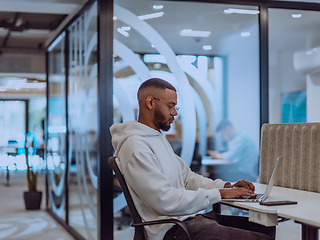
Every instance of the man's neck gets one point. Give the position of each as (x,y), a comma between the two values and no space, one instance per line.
(148,123)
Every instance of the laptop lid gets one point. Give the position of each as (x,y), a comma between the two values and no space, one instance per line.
(272,179)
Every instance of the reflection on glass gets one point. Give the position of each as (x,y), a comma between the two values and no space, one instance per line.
(56,145)
(293,68)
(37,108)
(241,154)
(213,63)
(83,124)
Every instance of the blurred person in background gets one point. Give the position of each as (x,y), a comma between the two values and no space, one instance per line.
(242,154)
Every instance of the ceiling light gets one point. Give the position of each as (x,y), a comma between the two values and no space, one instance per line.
(241,11)
(192,33)
(150,16)
(14,83)
(153,46)
(115,18)
(207,47)
(296,15)
(157,7)
(38,31)
(157,65)
(38,86)
(123,32)
(126,28)
(245,34)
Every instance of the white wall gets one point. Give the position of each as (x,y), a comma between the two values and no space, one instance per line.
(282,79)
(243,81)
(274,87)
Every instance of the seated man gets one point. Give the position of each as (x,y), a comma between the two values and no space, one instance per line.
(163,186)
(242,154)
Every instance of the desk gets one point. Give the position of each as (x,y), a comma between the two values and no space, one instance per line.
(208,161)
(306,212)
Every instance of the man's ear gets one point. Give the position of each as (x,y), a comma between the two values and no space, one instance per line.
(149,102)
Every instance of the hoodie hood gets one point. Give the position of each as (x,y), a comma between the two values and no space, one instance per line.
(122,131)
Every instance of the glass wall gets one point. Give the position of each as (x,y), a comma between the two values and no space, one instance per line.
(213,61)
(37,109)
(293,76)
(57,127)
(72,125)
(83,124)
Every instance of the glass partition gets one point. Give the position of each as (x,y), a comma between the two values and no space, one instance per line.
(37,109)
(57,128)
(212,58)
(293,69)
(83,124)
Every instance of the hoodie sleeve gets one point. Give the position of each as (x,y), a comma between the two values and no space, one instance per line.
(154,189)
(193,181)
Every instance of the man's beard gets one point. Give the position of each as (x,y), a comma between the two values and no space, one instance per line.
(160,120)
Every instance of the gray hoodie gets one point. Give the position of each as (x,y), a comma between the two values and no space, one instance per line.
(160,182)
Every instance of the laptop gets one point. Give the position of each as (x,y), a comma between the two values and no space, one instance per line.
(260,197)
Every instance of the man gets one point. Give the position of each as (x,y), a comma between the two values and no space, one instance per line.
(242,154)
(161,184)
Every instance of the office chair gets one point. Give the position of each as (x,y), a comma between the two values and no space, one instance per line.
(140,233)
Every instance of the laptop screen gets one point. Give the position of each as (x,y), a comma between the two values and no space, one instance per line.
(273,178)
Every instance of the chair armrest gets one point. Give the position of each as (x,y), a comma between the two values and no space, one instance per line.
(162,221)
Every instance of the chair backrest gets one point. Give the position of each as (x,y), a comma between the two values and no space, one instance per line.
(139,231)
(299,143)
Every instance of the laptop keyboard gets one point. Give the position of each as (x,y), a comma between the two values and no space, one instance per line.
(250,197)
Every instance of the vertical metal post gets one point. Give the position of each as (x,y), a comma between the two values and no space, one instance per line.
(66,67)
(264,65)
(105,118)
(45,130)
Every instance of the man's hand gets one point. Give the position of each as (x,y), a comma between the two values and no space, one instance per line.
(244,184)
(214,154)
(236,192)
(239,188)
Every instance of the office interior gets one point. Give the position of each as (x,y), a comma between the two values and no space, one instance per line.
(66,79)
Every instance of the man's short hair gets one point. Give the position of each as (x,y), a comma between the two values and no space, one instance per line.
(223,125)
(156,83)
